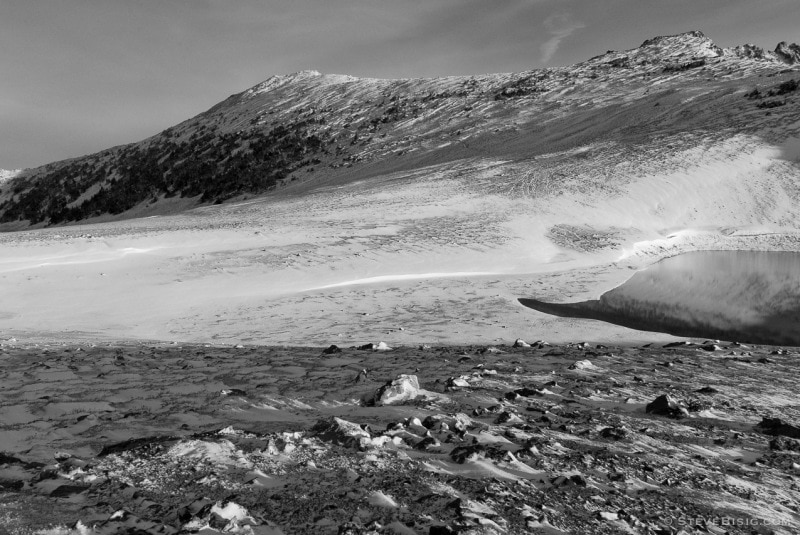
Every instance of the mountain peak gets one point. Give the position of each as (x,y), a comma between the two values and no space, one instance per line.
(693,43)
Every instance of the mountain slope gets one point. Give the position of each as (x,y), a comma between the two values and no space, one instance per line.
(309,127)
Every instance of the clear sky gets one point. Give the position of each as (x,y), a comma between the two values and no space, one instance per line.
(78,76)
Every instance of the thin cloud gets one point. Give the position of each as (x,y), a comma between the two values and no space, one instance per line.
(559,26)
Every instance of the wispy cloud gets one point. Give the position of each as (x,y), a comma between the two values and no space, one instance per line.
(559,26)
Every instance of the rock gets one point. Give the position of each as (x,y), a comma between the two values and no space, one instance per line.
(507,417)
(582,365)
(332,350)
(707,390)
(456,382)
(784,444)
(519,342)
(380,346)
(233,392)
(233,513)
(379,499)
(566,481)
(461,422)
(788,53)
(605,515)
(666,405)
(361,377)
(677,344)
(416,426)
(433,420)
(404,388)
(426,443)
(341,432)
(776,426)
(614,432)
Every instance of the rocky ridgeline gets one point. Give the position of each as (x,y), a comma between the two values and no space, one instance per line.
(525,438)
(308,126)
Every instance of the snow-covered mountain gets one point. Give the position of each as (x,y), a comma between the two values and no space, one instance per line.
(575,127)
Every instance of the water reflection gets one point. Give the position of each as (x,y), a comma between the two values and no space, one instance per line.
(745,296)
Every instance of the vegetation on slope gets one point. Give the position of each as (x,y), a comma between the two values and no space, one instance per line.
(210,165)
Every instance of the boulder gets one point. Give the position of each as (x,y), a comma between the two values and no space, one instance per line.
(456,382)
(404,388)
(342,432)
(666,405)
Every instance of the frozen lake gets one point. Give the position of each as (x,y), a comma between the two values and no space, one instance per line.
(745,296)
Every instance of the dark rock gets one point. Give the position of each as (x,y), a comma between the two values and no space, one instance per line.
(566,481)
(460,454)
(332,350)
(508,417)
(776,426)
(431,421)
(707,390)
(64,491)
(341,432)
(11,484)
(614,433)
(678,344)
(134,443)
(666,405)
(427,442)
(784,444)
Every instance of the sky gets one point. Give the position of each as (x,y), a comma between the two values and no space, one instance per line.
(79,76)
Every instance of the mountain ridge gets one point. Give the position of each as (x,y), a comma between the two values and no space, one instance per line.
(311,127)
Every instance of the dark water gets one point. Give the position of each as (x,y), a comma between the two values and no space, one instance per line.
(745,296)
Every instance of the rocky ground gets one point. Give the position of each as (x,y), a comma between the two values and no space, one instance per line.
(576,438)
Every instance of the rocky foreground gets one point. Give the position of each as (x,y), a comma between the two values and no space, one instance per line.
(582,438)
